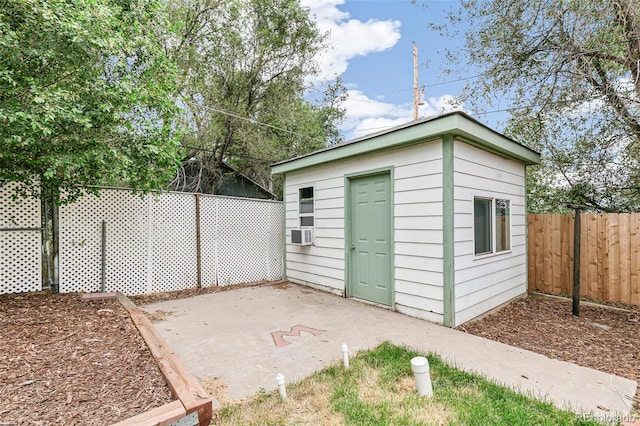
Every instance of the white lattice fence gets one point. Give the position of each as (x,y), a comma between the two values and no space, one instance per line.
(209,240)
(152,242)
(276,241)
(250,242)
(80,244)
(20,250)
(174,242)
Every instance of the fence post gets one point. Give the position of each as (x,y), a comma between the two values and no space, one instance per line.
(198,241)
(103,256)
(576,258)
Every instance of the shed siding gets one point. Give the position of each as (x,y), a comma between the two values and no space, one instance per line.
(482,283)
(321,266)
(417,185)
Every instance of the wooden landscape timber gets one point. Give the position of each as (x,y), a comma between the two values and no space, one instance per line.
(161,416)
(189,394)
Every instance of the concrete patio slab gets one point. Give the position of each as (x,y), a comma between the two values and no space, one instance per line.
(234,336)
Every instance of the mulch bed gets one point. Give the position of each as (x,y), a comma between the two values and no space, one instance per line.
(73,362)
(601,338)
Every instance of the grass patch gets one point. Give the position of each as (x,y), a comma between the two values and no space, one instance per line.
(378,389)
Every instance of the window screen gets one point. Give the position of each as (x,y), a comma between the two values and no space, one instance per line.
(306,207)
(482,225)
(503,226)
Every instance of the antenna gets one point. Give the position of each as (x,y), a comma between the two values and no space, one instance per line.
(416,95)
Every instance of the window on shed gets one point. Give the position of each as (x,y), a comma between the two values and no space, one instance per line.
(306,207)
(482,225)
(503,226)
(491,226)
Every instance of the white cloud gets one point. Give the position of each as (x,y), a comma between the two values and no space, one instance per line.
(365,115)
(348,37)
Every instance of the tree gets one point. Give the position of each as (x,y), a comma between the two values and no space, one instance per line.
(243,65)
(84,96)
(571,72)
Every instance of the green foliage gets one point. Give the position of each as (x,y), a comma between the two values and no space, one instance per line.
(243,66)
(84,96)
(570,70)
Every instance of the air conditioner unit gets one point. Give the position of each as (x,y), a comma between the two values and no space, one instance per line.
(302,237)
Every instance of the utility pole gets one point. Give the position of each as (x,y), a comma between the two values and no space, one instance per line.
(416,95)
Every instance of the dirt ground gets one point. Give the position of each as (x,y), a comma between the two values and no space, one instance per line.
(64,361)
(601,338)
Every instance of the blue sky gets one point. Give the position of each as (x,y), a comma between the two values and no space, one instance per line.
(371,47)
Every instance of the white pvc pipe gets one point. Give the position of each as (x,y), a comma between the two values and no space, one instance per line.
(281,388)
(420,367)
(345,355)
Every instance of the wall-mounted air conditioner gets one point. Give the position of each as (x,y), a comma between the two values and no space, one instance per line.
(302,237)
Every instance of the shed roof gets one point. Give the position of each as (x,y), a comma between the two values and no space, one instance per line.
(455,123)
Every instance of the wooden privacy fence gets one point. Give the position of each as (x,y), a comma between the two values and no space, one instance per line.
(609,255)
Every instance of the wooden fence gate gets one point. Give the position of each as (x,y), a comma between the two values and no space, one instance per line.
(609,255)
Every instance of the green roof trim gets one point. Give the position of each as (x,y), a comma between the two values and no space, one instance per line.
(457,124)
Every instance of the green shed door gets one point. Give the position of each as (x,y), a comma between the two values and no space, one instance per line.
(370,231)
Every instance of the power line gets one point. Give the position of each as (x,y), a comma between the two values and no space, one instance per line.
(212,151)
(256,122)
(442,83)
(510,109)
(471,77)
(259,123)
(356,100)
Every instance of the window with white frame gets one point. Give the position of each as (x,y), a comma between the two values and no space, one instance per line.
(491,225)
(306,207)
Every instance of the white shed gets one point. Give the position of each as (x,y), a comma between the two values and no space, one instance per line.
(428,218)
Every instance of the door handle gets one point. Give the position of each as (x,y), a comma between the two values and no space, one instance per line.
(353,246)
